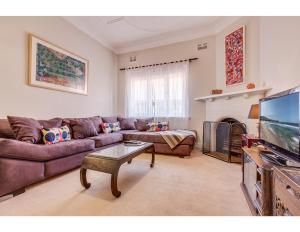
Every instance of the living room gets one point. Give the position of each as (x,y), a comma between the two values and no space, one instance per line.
(149,115)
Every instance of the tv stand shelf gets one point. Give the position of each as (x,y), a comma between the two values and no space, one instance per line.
(257,182)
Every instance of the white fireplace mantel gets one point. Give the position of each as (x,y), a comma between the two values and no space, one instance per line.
(245,93)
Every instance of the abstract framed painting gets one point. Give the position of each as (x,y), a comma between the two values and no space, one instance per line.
(235,57)
(55,68)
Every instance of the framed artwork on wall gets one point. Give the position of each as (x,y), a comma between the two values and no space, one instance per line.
(235,57)
(55,68)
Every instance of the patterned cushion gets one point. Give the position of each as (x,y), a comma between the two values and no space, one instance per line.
(157,126)
(56,135)
(110,127)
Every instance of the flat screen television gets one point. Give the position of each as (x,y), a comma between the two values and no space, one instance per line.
(279,122)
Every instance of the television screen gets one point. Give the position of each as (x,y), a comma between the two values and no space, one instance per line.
(280,122)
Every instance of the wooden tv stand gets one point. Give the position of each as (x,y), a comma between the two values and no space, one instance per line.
(257,182)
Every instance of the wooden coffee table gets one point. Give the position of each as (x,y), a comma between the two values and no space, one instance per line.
(110,159)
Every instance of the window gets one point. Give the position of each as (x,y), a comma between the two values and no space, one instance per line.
(159,91)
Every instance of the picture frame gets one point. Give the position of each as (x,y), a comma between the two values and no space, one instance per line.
(235,62)
(53,67)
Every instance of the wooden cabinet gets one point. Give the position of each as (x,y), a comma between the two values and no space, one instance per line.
(257,182)
(286,192)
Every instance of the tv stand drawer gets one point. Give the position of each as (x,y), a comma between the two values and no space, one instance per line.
(287,195)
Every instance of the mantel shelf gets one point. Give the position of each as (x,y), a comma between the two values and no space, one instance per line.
(227,96)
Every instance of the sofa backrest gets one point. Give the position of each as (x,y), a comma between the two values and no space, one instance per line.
(5,130)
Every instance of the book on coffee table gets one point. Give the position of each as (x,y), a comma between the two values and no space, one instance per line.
(133,143)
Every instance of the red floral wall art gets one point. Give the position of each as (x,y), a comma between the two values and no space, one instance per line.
(235,57)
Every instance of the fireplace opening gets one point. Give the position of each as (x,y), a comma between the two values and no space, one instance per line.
(222,139)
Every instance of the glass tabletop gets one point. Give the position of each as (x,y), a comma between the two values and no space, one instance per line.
(119,151)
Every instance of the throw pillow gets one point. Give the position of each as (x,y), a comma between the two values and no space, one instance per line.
(157,126)
(25,129)
(5,130)
(141,126)
(127,123)
(56,135)
(29,129)
(111,119)
(110,127)
(96,120)
(141,123)
(51,123)
(83,128)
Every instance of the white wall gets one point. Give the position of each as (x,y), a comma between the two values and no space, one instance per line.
(18,98)
(237,107)
(201,77)
(280,52)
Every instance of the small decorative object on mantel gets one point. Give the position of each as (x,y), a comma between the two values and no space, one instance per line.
(235,57)
(55,68)
(250,86)
(216,91)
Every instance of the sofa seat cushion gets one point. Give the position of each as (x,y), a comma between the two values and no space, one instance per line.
(106,139)
(39,152)
(152,137)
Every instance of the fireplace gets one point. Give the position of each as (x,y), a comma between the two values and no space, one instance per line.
(222,139)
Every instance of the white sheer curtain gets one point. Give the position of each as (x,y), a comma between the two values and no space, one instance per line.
(157,91)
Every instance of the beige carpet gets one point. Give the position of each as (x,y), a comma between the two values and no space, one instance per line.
(199,185)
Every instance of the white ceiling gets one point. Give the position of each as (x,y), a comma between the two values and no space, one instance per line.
(131,33)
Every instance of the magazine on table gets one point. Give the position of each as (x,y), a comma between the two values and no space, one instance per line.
(133,143)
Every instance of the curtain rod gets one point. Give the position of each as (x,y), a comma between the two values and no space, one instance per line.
(149,65)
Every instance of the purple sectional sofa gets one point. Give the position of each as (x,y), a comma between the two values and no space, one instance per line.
(23,164)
